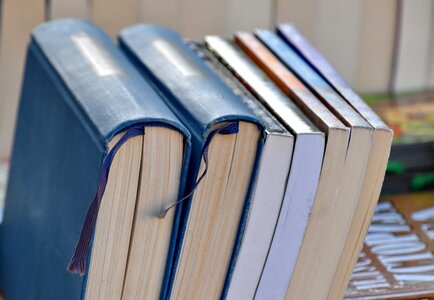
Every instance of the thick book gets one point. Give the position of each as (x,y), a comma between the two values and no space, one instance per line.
(378,157)
(268,192)
(397,260)
(338,222)
(89,127)
(302,181)
(226,134)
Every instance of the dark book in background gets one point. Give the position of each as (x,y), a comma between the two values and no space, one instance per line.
(411,116)
(408,182)
(397,260)
(79,95)
(215,212)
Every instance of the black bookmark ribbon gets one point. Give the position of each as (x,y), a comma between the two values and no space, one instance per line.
(79,259)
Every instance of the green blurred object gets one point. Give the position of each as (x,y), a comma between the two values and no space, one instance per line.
(395,167)
(420,182)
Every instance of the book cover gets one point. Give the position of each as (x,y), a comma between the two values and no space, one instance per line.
(397,260)
(79,93)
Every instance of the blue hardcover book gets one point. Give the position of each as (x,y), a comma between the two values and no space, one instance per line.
(226,141)
(92,136)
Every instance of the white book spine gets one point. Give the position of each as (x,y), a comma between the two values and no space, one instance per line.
(293,218)
(264,210)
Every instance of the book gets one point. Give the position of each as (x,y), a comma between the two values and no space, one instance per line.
(397,260)
(411,116)
(88,126)
(302,181)
(336,225)
(229,137)
(267,195)
(378,157)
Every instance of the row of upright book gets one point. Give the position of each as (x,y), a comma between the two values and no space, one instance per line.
(172,169)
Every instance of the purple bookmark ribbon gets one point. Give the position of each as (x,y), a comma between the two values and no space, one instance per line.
(79,259)
(229,128)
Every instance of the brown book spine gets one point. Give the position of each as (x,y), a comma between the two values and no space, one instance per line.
(287,81)
(281,76)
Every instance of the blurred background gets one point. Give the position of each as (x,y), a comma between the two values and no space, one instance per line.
(380,47)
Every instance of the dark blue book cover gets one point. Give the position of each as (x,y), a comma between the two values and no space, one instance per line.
(198,97)
(78,93)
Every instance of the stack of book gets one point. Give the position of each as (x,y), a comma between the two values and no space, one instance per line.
(227,168)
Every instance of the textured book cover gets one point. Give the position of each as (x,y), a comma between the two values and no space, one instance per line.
(397,260)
